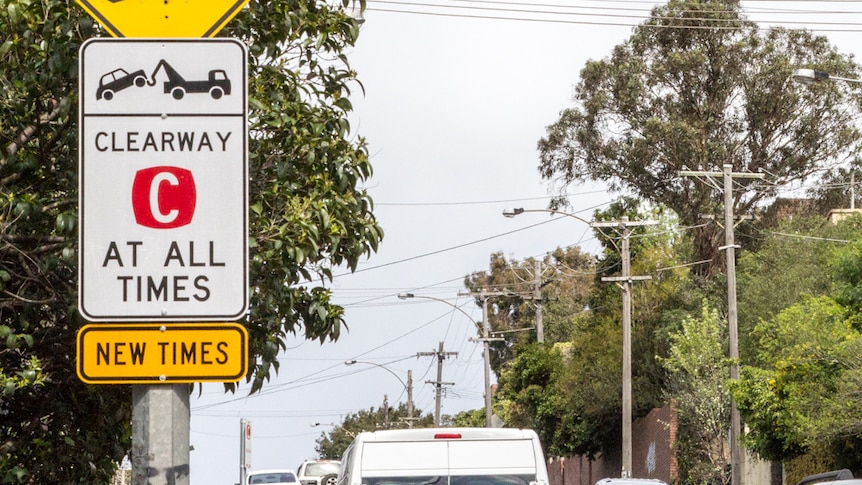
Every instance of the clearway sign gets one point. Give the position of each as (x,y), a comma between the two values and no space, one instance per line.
(163,18)
(163,180)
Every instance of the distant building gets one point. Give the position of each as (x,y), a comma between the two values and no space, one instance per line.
(786,209)
(837,215)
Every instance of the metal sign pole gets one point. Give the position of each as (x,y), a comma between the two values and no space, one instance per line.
(244,449)
(171,266)
(160,411)
(160,434)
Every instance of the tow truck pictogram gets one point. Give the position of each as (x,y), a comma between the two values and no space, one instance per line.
(216,85)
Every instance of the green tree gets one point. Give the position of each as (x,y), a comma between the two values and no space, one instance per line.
(528,394)
(54,428)
(474,418)
(698,368)
(786,400)
(799,396)
(846,267)
(570,389)
(790,261)
(564,278)
(308,215)
(696,87)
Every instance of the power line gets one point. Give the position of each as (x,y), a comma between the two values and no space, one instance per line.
(432,253)
(733,19)
(856,26)
(478,202)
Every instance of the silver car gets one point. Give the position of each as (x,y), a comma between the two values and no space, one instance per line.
(318,472)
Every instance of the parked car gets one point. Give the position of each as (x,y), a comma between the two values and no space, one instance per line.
(441,456)
(837,477)
(281,476)
(318,472)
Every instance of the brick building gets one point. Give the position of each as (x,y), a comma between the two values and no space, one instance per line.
(653,455)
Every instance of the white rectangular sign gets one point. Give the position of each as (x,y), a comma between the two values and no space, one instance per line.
(245,444)
(163,180)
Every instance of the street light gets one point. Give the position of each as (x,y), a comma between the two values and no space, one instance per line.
(486,352)
(408,386)
(407,296)
(512,212)
(808,76)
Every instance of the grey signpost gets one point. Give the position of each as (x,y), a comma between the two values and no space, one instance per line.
(163,226)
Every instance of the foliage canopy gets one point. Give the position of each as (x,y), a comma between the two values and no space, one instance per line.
(694,88)
(308,215)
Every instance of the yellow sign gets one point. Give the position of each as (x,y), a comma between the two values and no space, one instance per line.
(170,353)
(163,18)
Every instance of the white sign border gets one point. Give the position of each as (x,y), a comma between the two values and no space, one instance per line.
(82,115)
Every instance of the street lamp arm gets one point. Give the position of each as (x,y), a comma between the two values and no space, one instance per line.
(510,213)
(405,296)
(387,369)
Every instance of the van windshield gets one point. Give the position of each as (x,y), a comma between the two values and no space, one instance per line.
(452,480)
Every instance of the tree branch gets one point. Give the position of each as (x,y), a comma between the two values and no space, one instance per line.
(28,132)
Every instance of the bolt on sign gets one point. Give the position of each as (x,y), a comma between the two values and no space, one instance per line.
(163,232)
(163,18)
(171,353)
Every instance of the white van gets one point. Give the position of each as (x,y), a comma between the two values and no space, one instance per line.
(445,456)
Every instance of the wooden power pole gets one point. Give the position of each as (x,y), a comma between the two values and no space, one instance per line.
(625,281)
(727,175)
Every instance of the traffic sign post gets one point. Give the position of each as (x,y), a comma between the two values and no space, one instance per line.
(163,180)
(168,18)
(163,225)
(244,449)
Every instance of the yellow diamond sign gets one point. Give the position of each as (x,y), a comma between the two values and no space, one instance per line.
(163,18)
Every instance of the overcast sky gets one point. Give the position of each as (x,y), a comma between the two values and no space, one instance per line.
(453,109)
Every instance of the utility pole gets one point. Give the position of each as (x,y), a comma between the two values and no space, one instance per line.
(441,356)
(486,351)
(626,282)
(537,297)
(486,357)
(727,175)
(385,411)
(409,419)
(410,399)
